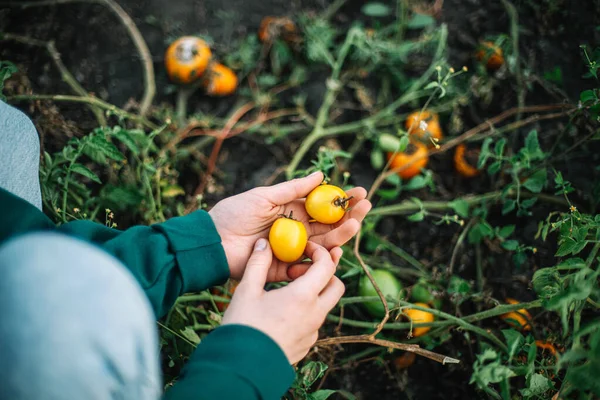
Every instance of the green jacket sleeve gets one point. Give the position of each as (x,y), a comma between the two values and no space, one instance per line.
(234,362)
(179,256)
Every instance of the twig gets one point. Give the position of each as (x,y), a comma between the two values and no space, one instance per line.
(407,207)
(65,74)
(514,33)
(86,100)
(413,348)
(240,112)
(457,246)
(134,33)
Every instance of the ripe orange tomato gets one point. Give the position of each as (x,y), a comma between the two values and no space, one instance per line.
(417,120)
(416,155)
(419,317)
(229,287)
(220,80)
(186,59)
(326,204)
(288,238)
(544,345)
(461,164)
(273,27)
(405,360)
(519,319)
(491,54)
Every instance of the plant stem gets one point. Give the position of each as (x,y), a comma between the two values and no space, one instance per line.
(87,100)
(333,87)
(134,33)
(65,74)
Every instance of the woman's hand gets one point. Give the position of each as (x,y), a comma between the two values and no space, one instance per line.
(243,219)
(291,315)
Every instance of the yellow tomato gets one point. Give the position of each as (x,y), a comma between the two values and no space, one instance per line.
(517,319)
(326,204)
(288,238)
(419,317)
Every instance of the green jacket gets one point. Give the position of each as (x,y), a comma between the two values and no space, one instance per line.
(179,256)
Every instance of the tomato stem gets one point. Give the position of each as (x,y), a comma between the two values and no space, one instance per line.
(342,202)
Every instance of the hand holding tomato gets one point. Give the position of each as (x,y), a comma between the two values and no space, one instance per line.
(291,315)
(243,219)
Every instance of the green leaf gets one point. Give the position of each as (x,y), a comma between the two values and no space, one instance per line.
(458,285)
(6,70)
(494,167)
(419,21)
(510,245)
(376,10)
(506,231)
(546,282)
(480,231)
(460,207)
(484,153)
(537,181)
(537,385)
(508,206)
(190,335)
(533,146)
(99,143)
(416,217)
(514,340)
(488,369)
(587,96)
(529,202)
(322,394)
(124,137)
(312,371)
(499,147)
(418,182)
(83,170)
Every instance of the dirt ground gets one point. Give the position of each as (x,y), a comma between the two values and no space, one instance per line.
(96,48)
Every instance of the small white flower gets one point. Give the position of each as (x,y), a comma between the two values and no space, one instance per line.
(423,125)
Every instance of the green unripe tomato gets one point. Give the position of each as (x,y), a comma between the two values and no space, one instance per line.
(389,286)
(422,293)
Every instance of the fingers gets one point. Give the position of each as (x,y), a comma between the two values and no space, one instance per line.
(257,268)
(332,293)
(320,272)
(297,270)
(358,212)
(286,192)
(339,235)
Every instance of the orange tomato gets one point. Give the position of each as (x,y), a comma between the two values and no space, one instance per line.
(425,126)
(519,319)
(326,204)
(220,80)
(229,287)
(273,27)
(186,59)
(491,54)
(545,345)
(288,239)
(461,164)
(419,317)
(415,157)
(405,360)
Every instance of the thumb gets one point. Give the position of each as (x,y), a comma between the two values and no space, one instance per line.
(289,191)
(257,267)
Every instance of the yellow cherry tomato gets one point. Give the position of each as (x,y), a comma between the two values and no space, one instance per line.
(186,59)
(419,317)
(288,238)
(327,204)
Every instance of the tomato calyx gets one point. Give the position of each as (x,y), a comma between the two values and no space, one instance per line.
(342,202)
(290,216)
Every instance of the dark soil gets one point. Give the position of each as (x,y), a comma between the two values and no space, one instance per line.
(97,49)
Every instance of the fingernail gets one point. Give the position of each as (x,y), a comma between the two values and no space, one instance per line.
(314,174)
(260,245)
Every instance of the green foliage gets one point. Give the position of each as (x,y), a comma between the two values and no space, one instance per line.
(307,376)
(6,70)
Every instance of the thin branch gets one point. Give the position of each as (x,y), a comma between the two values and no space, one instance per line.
(413,348)
(134,33)
(86,100)
(65,74)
